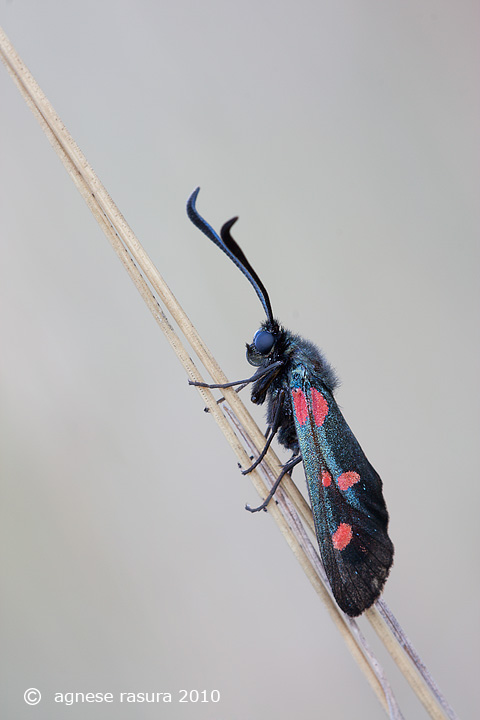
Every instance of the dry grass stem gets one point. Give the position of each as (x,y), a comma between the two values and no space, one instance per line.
(292,514)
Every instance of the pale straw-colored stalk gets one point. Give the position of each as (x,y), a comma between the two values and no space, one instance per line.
(292,514)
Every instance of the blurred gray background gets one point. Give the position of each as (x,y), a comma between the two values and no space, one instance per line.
(346,137)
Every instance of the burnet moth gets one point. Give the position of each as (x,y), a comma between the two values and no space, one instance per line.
(349,510)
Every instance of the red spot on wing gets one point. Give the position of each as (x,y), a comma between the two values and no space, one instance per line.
(300,405)
(347,479)
(342,536)
(319,407)
(326,478)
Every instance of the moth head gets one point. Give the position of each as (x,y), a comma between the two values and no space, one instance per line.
(261,348)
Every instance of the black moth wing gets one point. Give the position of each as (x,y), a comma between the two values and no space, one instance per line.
(350,514)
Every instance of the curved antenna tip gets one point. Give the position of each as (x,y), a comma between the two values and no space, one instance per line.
(228,225)
(193,197)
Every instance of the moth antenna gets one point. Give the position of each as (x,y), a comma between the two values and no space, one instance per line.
(230,248)
(245,266)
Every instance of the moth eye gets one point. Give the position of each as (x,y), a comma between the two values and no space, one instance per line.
(263,341)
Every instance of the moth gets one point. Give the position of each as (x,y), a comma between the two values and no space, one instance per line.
(298,384)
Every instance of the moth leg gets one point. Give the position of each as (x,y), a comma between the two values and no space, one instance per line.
(237,390)
(261,372)
(286,469)
(272,431)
